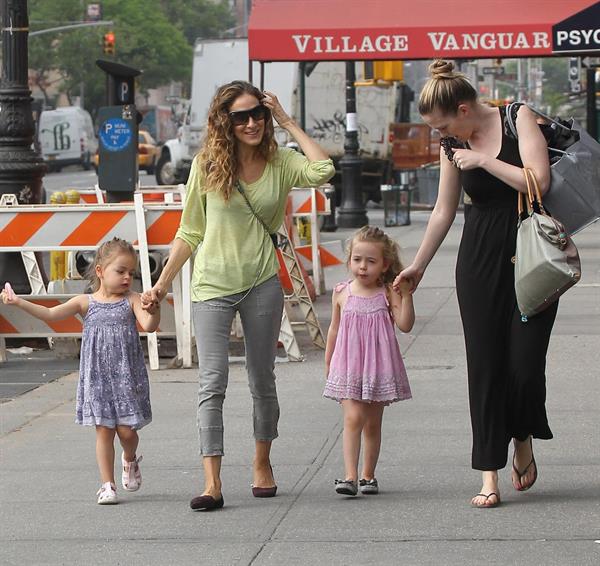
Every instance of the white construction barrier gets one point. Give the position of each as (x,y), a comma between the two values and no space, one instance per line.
(313,203)
(35,228)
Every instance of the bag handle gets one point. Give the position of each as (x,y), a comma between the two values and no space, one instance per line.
(527,197)
(512,123)
(546,117)
(512,126)
(534,194)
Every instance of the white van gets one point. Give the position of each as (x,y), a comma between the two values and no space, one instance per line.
(67,137)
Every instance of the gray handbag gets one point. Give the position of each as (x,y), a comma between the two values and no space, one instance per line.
(546,261)
(574,195)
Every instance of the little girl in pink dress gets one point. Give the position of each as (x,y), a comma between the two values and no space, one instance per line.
(365,370)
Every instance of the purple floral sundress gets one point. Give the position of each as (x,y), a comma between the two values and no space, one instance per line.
(113,386)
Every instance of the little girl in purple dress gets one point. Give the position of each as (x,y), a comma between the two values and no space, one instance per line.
(113,393)
(365,370)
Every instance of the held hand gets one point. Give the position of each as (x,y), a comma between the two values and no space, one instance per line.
(151,299)
(273,104)
(408,280)
(466,159)
(152,309)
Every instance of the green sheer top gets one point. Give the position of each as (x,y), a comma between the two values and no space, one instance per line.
(236,252)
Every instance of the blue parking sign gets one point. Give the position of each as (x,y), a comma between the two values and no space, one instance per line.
(115,134)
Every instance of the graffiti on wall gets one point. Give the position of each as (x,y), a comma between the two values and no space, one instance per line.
(332,129)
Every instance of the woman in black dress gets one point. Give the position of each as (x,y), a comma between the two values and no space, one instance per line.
(505,356)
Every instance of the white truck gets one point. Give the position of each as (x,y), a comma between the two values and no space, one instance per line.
(67,137)
(220,61)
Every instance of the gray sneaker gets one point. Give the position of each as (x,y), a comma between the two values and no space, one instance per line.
(369,487)
(346,487)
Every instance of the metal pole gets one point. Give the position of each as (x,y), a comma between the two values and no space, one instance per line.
(352,213)
(521,90)
(302,88)
(71,26)
(262,76)
(591,110)
(21,167)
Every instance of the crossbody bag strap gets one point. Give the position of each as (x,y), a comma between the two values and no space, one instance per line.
(262,222)
(546,117)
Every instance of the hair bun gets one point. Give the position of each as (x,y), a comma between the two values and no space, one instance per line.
(441,69)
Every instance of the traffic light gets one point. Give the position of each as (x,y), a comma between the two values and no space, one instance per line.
(382,72)
(109,43)
(574,75)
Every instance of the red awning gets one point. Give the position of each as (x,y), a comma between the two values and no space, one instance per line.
(327,30)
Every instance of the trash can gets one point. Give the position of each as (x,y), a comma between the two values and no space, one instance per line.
(428,178)
(396,204)
(329,224)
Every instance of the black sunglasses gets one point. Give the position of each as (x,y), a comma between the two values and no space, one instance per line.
(242,117)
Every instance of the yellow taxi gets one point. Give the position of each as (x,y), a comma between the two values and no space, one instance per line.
(147,153)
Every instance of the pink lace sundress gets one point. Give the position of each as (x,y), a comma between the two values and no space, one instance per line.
(366,364)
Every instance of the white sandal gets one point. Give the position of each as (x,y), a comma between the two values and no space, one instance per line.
(107,494)
(132,476)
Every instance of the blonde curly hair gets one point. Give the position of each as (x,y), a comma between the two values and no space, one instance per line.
(217,158)
(391,251)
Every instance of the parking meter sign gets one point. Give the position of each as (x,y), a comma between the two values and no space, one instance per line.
(116,134)
(123,90)
(117,151)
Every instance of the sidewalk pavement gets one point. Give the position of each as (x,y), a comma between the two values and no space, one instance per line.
(422,515)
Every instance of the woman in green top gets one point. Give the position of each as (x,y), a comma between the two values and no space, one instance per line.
(236,266)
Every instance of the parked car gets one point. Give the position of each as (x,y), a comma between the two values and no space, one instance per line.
(66,137)
(147,153)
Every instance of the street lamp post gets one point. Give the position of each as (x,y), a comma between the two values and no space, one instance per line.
(21,167)
(352,213)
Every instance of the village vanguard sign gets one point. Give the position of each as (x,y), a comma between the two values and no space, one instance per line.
(567,26)
(443,41)
(347,44)
(439,41)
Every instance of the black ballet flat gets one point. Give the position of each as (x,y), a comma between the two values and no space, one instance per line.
(206,503)
(265,491)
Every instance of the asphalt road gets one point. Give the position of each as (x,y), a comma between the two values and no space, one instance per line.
(74,177)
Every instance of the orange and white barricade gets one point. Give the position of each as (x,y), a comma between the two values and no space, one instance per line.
(158,193)
(35,228)
(16,323)
(313,203)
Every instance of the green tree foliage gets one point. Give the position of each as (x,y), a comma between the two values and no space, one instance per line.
(556,82)
(155,36)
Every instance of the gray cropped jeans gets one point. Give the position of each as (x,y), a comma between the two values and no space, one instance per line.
(260,311)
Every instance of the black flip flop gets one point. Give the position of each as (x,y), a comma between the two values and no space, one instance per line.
(521,474)
(487,496)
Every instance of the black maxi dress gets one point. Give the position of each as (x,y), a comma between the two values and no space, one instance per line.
(506,358)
